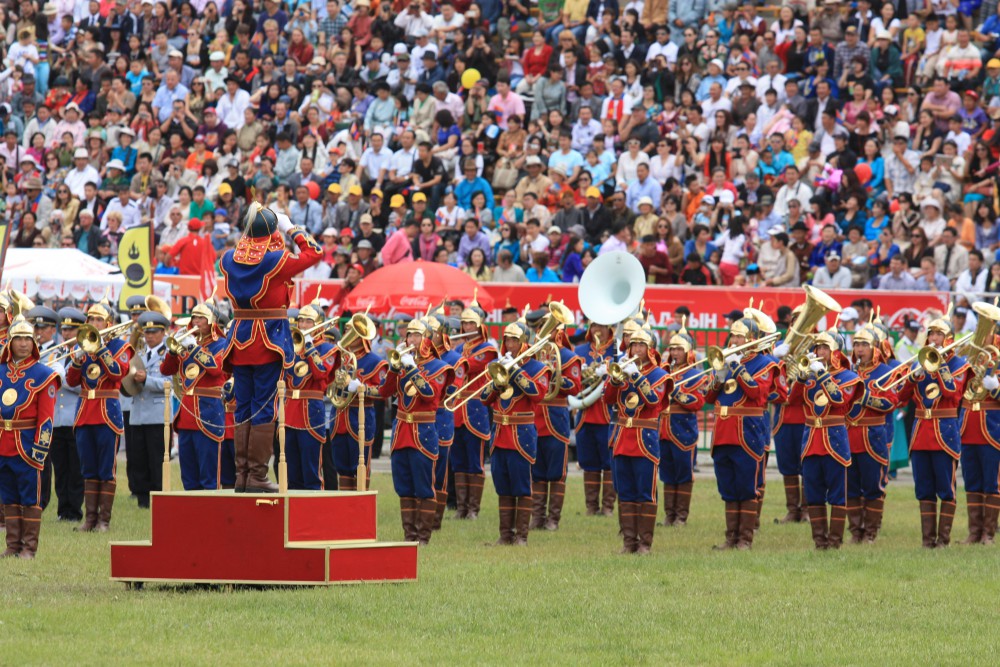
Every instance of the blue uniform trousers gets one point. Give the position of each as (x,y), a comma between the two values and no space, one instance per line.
(412,473)
(866,477)
(255,394)
(933,474)
(20,484)
(550,461)
(511,472)
(735,473)
(302,453)
(441,467)
(227,463)
(634,478)
(199,458)
(97,446)
(981,469)
(593,447)
(467,452)
(344,447)
(788,449)
(824,481)
(676,465)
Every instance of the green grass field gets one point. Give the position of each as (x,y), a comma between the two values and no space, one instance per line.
(568,598)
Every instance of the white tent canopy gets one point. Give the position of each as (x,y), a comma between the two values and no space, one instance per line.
(65,273)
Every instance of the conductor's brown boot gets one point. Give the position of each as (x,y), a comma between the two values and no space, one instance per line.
(241,445)
(838,517)
(426,509)
(873,519)
(945,522)
(106,500)
(592,492)
(818,522)
(260,452)
(855,517)
(732,527)
(507,510)
(522,519)
(976,507)
(990,516)
(646,525)
(408,516)
(628,522)
(347,483)
(669,498)
(31,525)
(557,494)
(91,499)
(682,503)
(928,523)
(608,494)
(539,500)
(12,514)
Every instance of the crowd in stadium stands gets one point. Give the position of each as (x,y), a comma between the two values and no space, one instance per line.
(850,145)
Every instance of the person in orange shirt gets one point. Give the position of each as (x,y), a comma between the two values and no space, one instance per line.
(197,158)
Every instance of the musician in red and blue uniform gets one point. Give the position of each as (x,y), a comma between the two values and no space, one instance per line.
(305,411)
(775,398)
(593,451)
(201,421)
(868,472)
(472,420)
(740,392)
(827,395)
(981,459)
(99,421)
(548,473)
(936,441)
(438,323)
(27,405)
(418,382)
(259,274)
(637,393)
(514,447)
(679,429)
(367,377)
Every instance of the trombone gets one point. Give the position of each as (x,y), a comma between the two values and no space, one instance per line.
(88,339)
(929,358)
(716,356)
(499,371)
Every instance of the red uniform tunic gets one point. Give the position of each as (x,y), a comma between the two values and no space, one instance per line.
(371,371)
(638,404)
(102,385)
(532,381)
(838,388)
(790,414)
(418,391)
(598,412)
(747,401)
(870,407)
(552,416)
(303,389)
(476,356)
(35,402)
(206,358)
(932,414)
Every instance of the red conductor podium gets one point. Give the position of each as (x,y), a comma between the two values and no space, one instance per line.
(299,538)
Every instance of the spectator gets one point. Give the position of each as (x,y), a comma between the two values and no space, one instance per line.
(832,275)
(398,248)
(929,279)
(506,270)
(539,272)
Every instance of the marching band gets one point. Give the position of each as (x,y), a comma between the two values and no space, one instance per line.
(828,407)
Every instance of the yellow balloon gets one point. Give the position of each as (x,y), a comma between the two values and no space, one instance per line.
(470,77)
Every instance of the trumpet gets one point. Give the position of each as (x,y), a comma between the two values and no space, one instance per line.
(929,358)
(616,369)
(395,357)
(803,363)
(179,345)
(716,356)
(89,339)
(299,336)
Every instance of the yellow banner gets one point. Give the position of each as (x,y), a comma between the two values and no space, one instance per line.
(135,261)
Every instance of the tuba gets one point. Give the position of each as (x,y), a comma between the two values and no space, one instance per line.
(611,288)
(980,351)
(359,327)
(817,306)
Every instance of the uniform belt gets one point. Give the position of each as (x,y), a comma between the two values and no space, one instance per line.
(979,406)
(99,393)
(675,410)
(231,409)
(204,392)
(262,314)
(417,417)
(825,422)
(312,394)
(557,402)
(935,413)
(871,420)
(19,424)
(736,411)
(635,422)
(516,419)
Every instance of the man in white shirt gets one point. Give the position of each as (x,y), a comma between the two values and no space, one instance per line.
(413,19)
(444,99)
(215,76)
(617,242)
(447,23)
(401,164)
(232,105)
(792,189)
(950,257)
(833,275)
(584,130)
(971,283)
(81,174)
(662,47)
(375,161)
(715,102)
(123,204)
(772,80)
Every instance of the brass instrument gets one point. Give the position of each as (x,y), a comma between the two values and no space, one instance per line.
(361,327)
(299,336)
(929,358)
(716,356)
(19,303)
(551,351)
(980,352)
(499,371)
(138,363)
(90,340)
(395,357)
(179,344)
(616,369)
(817,306)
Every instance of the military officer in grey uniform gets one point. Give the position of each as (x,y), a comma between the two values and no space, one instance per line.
(43,319)
(136,306)
(63,453)
(147,410)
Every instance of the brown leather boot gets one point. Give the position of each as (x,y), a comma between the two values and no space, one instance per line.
(748,520)
(976,506)
(440,503)
(539,501)
(592,492)
(31,524)
(3,525)
(557,494)
(945,521)
(817,519)
(461,495)
(476,483)
(91,500)
(682,503)
(732,527)
(628,522)
(669,498)
(855,517)
(424,512)
(347,483)
(409,514)
(928,523)
(646,526)
(12,517)
(873,519)
(507,510)
(793,500)
(609,494)
(106,500)
(522,519)
(838,517)
(241,445)
(259,455)
(759,507)
(991,513)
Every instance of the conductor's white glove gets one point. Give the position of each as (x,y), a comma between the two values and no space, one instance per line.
(781,351)
(817,367)
(990,382)
(630,368)
(284,223)
(353,385)
(407,360)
